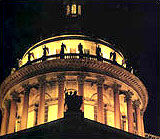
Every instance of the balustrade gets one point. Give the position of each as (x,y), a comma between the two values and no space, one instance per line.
(73,56)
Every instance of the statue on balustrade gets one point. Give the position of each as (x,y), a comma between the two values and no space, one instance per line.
(113,56)
(80,49)
(45,52)
(29,56)
(98,53)
(73,101)
(63,46)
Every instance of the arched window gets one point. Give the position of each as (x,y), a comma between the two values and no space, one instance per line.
(73,9)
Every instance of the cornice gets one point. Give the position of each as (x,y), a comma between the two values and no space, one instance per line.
(85,65)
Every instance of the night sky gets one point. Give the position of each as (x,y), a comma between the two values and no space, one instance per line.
(132,25)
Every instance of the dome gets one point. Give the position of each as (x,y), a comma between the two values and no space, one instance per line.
(72,41)
(34,94)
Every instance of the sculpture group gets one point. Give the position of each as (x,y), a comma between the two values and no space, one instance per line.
(73,101)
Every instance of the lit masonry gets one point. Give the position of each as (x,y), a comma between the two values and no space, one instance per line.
(34,94)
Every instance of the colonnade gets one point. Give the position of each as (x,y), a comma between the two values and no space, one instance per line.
(9,116)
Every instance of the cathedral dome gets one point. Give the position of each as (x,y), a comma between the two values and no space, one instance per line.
(72,41)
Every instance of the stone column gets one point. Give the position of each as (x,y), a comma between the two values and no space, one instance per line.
(5,117)
(13,109)
(142,125)
(61,79)
(25,107)
(81,88)
(41,108)
(100,107)
(129,111)
(136,104)
(117,118)
(12,117)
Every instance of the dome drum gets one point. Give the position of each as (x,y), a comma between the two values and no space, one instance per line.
(82,74)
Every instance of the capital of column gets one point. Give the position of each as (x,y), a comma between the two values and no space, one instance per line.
(26,88)
(106,86)
(136,103)
(116,87)
(128,95)
(61,78)
(42,80)
(100,81)
(81,78)
(15,96)
(6,103)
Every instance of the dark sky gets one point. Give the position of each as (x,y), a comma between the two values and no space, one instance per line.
(132,24)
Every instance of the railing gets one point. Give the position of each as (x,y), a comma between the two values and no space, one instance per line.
(150,136)
(74,56)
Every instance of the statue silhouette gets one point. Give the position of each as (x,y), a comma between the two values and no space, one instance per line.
(98,52)
(114,57)
(29,57)
(73,101)
(45,51)
(113,54)
(62,50)
(80,49)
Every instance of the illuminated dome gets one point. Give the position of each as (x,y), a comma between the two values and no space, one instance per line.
(34,94)
(71,41)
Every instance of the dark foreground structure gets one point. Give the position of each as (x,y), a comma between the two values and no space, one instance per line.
(72,126)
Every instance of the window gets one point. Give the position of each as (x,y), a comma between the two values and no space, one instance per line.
(46,114)
(36,114)
(123,122)
(79,9)
(86,51)
(52,112)
(31,119)
(73,10)
(123,125)
(17,127)
(72,50)
(57,52)
(67,10)
(89,111)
